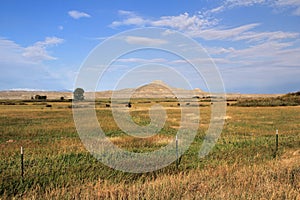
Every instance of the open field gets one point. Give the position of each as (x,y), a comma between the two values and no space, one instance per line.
(242,165)
(27,95)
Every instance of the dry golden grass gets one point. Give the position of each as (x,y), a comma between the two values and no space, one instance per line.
(272,180)
(241,166)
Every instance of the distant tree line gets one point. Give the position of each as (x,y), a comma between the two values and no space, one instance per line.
(40,97)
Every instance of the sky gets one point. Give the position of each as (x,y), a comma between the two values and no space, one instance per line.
(255,44)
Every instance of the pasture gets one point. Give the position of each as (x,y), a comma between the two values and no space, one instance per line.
(242,165)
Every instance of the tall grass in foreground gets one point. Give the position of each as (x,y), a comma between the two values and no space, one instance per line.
(272,180)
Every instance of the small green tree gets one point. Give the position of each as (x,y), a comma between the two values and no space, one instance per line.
(78,94)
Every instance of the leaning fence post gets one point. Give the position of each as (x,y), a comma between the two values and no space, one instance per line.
(22,162)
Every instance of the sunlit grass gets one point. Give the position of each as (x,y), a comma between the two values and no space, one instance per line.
(241,165)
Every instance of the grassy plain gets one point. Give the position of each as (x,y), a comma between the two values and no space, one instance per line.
(242,165)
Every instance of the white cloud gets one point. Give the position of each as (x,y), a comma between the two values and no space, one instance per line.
(137,21)
(237,3)
(179,61)
(77,14)
(200,26)
(203,26)
(38,52)
(222,34)
(265,50)
(288,57)
(142,60)
(131,18)
(126,12)
(144,40)
(50,41)
(181,22)
(219,50)
(216,10)
(275,35)
(229,4)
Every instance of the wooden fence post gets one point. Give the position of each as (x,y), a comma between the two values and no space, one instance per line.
(276,140)
(22,162)
(276,144)
(177,155)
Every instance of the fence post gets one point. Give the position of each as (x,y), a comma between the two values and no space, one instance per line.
(22,162)
(276,144)
(177,155)
(276,140)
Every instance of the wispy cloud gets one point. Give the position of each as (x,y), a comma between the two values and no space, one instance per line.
(272,35)
(238,3)
(230,4)
(142,60)
(77,14)
(216,10)
(206,27)
(244,32)
(144,40)
(222,34)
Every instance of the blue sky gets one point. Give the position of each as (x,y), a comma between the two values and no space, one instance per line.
(254,43)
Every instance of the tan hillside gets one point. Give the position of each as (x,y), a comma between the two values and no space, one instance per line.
(155,89)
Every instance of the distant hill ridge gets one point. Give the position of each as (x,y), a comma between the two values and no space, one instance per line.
(159,89)
(155,89)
